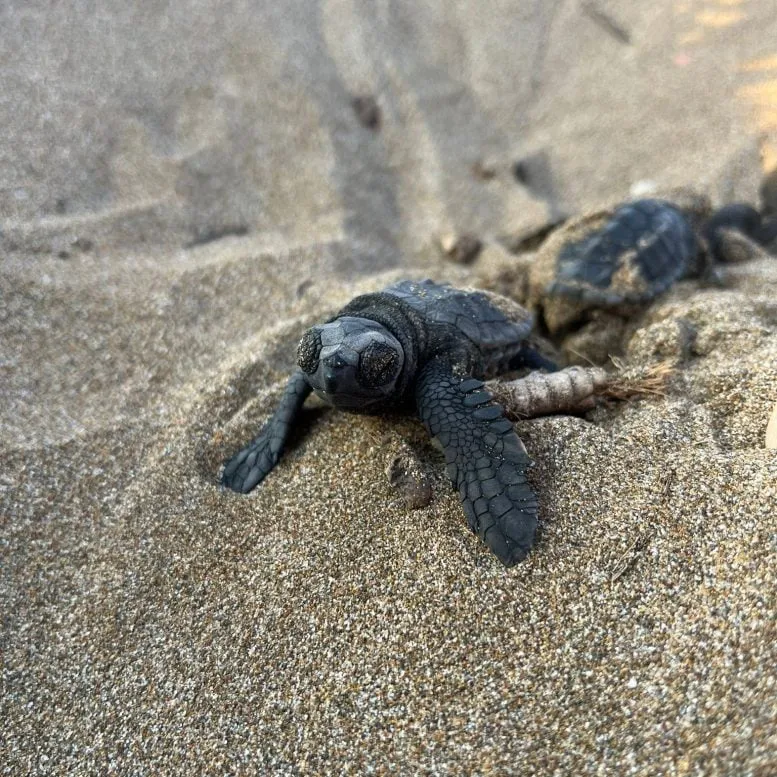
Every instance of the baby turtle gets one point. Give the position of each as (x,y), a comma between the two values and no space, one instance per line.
(614,258)
(625,257)
(428,346)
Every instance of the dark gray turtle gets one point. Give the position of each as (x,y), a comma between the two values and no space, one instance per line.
(428,346)
(623,257)
(614,257)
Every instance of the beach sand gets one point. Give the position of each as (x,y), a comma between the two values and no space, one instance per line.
(183,190)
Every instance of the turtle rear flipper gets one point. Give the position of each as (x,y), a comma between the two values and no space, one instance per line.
(731,233)
(246,469)
(486,460)
(767,234)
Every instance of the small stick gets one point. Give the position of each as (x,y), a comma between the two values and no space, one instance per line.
(628,558)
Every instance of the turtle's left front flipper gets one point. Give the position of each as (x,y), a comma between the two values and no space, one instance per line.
(486,460)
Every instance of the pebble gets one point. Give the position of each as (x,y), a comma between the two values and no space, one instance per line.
(462,249)
(405,474)
(367,111)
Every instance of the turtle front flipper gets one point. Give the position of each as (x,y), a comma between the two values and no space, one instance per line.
(486,460)
(246,469)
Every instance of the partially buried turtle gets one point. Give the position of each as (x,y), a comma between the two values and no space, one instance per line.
(428,346)
(623,257)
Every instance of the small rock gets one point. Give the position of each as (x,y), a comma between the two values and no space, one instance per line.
(405,473)
(643,188)
(462,249)
(521,172)
(771,430)
(484,170)
(367,111)
(303,287)
(535,172)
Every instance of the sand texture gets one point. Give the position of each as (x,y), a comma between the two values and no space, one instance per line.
(184,188)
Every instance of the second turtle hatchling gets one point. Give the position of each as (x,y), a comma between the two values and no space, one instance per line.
(423,346)
(624,257)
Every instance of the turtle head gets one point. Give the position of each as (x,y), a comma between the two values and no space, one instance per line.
(352,363)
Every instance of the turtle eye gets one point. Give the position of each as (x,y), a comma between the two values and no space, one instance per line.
(378,365)
(309,350)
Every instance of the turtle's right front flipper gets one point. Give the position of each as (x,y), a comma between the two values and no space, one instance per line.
(486,460)
(252,464)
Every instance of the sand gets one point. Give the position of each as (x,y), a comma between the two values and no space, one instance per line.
(183,190)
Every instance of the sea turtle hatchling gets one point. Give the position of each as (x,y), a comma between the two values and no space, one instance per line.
(430,346)
(623,257)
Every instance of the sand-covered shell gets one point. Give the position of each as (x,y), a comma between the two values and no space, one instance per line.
(613,257)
